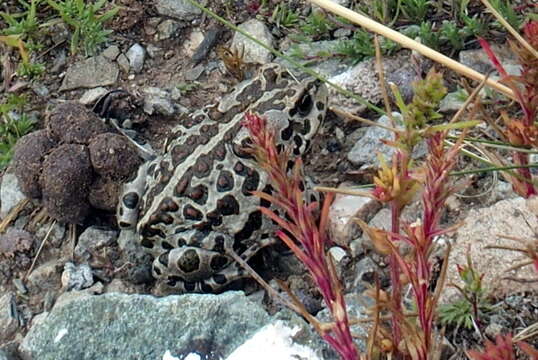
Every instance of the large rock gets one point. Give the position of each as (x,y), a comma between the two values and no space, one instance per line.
(252,52)
(179,9)
(113,326)
(90,73)
(483,228)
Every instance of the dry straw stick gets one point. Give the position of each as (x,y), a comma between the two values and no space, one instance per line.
(510,29)
(393,35)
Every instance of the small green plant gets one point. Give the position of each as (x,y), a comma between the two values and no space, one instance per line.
(415,10)
(283,16)
(384,11)
(13,125)
(187,87)
(471,308)
(87,25)
(360,46)
(428,35)
(316,25)
(30,70)
(24,24)
(506,9)
(450,33)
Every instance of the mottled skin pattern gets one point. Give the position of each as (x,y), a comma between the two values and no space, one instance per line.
(193,202)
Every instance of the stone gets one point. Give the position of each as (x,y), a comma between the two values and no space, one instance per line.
(158,101)
(92,95)
(136,55)
(123,63)
(10,193)
(482,228)
(76,277)
(362,79)
(365,150)
(252,52)
(364,275)
(93,239)
(356,310)
(167,29)
(56,234)
(452,102)
(9,322)
(342,214)
(111,52)
(101,327)
(274,341)
(90,73)
(337,253)
(478,60)
(178,9)
(120,286)
(45,275)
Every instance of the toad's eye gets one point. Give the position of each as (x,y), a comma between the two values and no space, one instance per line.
(305,105)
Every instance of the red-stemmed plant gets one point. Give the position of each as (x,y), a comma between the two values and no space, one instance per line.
(300,231)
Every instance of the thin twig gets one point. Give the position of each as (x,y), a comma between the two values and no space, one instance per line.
(274,294)
(12,215)
(510,28)
(39,250)
(381,73)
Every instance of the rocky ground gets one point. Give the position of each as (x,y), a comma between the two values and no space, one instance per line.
(85,291)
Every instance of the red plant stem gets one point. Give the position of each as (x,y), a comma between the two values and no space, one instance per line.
(395,275)
(523,159)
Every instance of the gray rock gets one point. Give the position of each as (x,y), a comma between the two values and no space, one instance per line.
(364,274)
(478,60)
(145,327)
(178,9)
(194,73)
(167,29)
(10,193)
(111,52)
(252,52)
(356,309)
(56,234)
(93,239)
(364,152)
(136,55)
(77,277)
(153,50)
(362,79)
(159,101)
(9,322)
(123,63)
(45,275)
(92,95)
(452,102)
(305,51)
(343,212)
(90,73)
(482,229)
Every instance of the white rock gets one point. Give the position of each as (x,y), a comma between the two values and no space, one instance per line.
(10,193)
(252,52)
(92,95)
(343,212)
(136,55)
(273,341)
